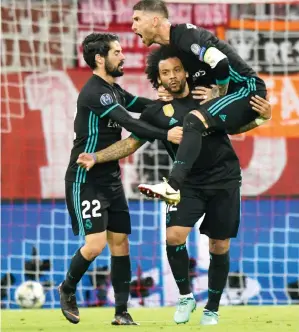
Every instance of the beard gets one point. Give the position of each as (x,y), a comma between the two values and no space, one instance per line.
(113,71)
(175,90)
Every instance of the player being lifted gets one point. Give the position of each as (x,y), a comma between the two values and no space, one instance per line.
(212,186)
(96,200)
(204,56)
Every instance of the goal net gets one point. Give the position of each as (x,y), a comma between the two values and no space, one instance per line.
(42,72)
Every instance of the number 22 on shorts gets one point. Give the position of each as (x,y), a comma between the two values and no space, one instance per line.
(91,209)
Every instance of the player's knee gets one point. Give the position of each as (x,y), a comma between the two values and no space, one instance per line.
(219,247)
(91,251)
(194,122)
(118,244)
(94,245)
(174,238)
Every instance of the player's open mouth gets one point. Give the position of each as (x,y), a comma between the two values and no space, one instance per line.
(140,35)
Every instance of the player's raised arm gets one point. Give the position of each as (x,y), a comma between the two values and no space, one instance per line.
(200,42)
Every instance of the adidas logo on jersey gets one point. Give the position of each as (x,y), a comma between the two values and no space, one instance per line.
(172,121)
(222,117)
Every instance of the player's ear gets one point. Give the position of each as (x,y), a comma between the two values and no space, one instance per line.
(159,81)
(99,59)
(156,21)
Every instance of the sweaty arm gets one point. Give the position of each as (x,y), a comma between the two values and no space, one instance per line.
(200,43)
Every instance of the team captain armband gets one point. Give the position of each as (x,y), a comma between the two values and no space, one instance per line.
(213,56)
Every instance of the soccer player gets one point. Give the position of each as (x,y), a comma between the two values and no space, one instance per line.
(212,186)
(204,56)
(96,200)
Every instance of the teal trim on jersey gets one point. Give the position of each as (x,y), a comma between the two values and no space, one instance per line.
(93,135)
(136,137)
(132,102)
(224,99)
(222,82)
(108,110)
(76,199)
(237,78)
(241,95)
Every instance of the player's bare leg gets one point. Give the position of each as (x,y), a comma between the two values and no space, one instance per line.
(94,245)
(218,273)
(120,277)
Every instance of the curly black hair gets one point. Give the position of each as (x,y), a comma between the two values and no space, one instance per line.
(97,43)
(153,59)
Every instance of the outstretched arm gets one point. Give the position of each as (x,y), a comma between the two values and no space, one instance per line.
(261,106)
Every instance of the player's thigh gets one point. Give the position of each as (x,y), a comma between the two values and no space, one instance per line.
(222,217)
(119,220)
(230,112)
(190,209)
(87,208)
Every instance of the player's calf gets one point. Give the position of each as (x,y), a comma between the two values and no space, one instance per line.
(189,149)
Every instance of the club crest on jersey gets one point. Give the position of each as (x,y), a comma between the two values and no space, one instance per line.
(168,110)
(195,48)
(106,99)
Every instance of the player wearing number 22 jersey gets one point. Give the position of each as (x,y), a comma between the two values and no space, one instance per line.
(95,199)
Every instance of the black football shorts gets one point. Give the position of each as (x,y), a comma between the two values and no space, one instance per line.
(220,206)
(94,209)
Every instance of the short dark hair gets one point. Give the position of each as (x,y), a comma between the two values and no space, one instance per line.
(152,6)
(97,43)
(153,59)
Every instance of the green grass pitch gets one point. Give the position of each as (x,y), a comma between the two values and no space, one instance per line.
(232,319)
